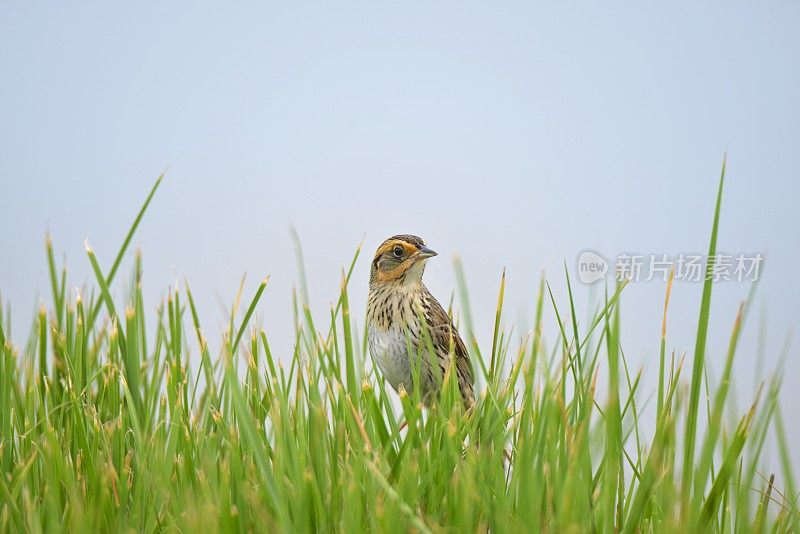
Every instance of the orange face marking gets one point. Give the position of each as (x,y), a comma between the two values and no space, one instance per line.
(401,268)
(397,272)
(389,245)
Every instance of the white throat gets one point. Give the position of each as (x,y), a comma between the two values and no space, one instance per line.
(414,275)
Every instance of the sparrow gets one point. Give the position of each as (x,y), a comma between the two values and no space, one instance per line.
(402,316)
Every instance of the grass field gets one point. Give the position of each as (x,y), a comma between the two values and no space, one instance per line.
(108,427)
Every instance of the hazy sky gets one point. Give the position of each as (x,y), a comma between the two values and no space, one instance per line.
(513,134)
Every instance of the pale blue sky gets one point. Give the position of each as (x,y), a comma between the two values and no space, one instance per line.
(513,134)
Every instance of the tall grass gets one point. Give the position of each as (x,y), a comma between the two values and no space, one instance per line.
(107,427)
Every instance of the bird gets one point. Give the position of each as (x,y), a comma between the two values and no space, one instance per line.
(400,310)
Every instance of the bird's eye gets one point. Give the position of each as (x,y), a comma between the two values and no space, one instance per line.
(398,251)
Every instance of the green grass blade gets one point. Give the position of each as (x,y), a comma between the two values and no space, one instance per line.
(698,363)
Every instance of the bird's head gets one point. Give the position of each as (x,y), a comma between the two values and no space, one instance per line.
(400,260)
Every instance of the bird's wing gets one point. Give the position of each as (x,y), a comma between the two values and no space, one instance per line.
(445,338)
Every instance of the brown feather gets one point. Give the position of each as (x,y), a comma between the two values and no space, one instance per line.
(397,297)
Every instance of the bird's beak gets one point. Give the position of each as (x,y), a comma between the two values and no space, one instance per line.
(425,252)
